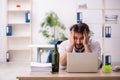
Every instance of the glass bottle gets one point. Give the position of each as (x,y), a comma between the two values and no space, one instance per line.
(55,60)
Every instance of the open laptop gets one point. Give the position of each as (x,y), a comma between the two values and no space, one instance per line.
(82,62)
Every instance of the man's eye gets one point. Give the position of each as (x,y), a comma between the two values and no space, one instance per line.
(81,38)
(75,38)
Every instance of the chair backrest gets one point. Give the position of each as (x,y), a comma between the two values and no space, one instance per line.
(49,59)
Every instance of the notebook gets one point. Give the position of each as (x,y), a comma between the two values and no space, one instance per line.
(82,62)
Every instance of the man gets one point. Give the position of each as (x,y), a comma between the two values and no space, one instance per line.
(79,41)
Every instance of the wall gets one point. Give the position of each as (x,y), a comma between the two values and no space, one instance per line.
(2,30)
(65,9)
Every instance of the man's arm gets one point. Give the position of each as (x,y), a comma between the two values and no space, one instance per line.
(97,50)
(85,42)
(63,58)
(87,48)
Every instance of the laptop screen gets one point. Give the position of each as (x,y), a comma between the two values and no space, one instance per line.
(79,62)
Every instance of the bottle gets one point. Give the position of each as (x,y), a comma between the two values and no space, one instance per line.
(55,60)
(27,16)
(107,66)
(9,30)
(107,60)
(7,57)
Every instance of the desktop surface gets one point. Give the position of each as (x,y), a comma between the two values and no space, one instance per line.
(63,75)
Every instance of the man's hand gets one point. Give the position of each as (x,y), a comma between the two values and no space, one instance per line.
(72,41)
(86,38)
(63,59)
(85,41)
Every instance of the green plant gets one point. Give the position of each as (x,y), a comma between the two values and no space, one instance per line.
(52,28)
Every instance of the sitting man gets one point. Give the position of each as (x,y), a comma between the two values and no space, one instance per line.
(79,41)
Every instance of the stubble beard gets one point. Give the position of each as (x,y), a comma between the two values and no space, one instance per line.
(79,46)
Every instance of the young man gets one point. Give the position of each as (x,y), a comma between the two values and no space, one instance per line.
(79,41)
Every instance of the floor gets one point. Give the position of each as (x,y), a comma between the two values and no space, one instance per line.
(9,70)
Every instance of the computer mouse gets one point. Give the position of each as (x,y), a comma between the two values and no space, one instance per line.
(116,68)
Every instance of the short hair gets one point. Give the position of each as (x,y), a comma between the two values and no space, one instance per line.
(80,28)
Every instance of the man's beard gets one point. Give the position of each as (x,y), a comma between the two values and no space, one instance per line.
(79,46)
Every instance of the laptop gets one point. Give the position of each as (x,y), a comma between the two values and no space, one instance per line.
(82,62)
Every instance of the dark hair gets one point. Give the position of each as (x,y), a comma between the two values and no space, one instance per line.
(80,28)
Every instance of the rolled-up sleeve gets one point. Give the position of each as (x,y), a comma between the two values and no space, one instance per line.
(62,49)
(96,48)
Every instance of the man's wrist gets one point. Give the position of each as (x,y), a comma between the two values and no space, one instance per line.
(87,48)
(86,45)
(70,48)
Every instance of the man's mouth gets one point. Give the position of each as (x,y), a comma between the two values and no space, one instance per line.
(79,46)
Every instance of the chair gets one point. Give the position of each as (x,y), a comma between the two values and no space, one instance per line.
(49,59)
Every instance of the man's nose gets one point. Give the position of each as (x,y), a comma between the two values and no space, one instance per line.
(78,41)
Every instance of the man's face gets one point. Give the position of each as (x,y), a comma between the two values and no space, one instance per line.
(78,38)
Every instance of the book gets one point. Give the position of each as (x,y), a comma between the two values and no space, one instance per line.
(41,67)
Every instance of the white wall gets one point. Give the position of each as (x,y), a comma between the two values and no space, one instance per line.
(2,30)
(65,9)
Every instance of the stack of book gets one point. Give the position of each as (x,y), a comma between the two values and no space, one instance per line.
(41,67)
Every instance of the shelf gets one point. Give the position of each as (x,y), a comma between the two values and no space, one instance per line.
(97,23)
(18,49)
(18,36)
(89,9)
(18,10)
(112,38)
(19,19)
(95,14)
(81,10)
(111,9)
(97,9)
(110,51)
(19,4)
(112,23)
(21,23)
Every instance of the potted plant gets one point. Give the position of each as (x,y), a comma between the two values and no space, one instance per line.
(52,28)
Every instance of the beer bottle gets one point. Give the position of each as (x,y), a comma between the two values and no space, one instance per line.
(55,60)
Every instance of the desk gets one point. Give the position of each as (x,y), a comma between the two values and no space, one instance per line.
(63,75)
(39,47)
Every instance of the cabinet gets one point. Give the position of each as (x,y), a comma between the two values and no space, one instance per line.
(111,45)
(102,15)
(18,29)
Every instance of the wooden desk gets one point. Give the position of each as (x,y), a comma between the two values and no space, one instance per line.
(39,47)
(63,75)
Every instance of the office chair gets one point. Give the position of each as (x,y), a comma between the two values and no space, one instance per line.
(49,59)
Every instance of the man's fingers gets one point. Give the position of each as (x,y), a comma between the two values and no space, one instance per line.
(86,33)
